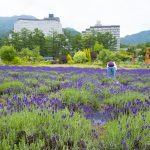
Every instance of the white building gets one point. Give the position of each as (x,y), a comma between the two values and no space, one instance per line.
(47,25)
(113,29)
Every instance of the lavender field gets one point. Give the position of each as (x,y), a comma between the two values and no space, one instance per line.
(43,108)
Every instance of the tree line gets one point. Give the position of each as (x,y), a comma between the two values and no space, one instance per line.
(34,44)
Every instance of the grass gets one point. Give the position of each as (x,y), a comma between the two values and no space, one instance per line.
(123,98)
(39,125)
(78,96)
(129,132)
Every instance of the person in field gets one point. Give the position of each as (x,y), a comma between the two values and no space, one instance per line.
(111,69)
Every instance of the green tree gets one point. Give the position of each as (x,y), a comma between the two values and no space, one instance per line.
(88,40)
(142,52)
(7,53)
(1,42)
(77,43)
(36,54)
(106,55)
(15,41)
(26,54)
(30,55)
(22,39)
(55,44)
(79,57)
(38,40)
(25,39)
(97,47)
(107,40)
(123,55)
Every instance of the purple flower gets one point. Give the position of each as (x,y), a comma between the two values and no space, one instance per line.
(129,134)
(134,110)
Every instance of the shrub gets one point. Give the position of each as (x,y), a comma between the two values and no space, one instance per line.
(69,59)
(31,55)
(88,54)
(63,59)
(126,80)
(93,55)
(17,61)
(14,85)
(75,96)
(97,47)
(107,80)
(123,98)
(7,53)
(45,130)
(106,55)
(129,132)
(43,90)
(123,55)
(80,57)
(26,54)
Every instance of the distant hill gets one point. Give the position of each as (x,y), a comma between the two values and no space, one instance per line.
(138,38)
(7,23)
(71,31)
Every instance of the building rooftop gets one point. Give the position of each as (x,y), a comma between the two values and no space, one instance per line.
(50,17)
(105,26)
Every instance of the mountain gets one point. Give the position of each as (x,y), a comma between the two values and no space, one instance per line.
(71,31)
(138,38)
(7,23)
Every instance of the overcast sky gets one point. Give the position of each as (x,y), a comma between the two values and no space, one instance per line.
(132,15)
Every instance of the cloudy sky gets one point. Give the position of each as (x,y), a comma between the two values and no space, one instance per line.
(132,15)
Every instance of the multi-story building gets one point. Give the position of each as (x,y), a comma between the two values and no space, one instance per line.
(113,29)
(47,25)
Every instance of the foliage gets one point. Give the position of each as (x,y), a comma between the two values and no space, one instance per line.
(107,40)
(7,53)
(69,59)
(1,42)
(30,55)
(97,47)
(27,39)
(88,54)
(126,81)
(45,109)
(107,80)
(17,61)
(63,59)
(56,45)
(129,132)
(14,85)
(93,55)
(123,55)
(82,96)
(26,54)
(88,40)
(80,57)
(106,55)
(76,42)
(43,129)
(36,54)
(20,39)
(123,98)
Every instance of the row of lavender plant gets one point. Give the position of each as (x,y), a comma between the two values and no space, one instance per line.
(82,91)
